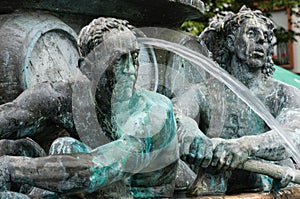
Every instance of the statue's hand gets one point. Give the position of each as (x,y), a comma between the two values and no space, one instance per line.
(4,174)
(201,152)
(229,154)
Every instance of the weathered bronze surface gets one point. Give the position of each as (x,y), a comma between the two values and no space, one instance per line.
(167,13)
(123,140)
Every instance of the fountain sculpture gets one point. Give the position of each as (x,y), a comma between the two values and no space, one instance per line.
(130,137)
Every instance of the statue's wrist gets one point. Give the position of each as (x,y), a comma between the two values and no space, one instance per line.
(245,144)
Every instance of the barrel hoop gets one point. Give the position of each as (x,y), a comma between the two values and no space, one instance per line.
(33,36)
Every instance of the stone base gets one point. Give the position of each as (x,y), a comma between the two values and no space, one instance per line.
(291,192)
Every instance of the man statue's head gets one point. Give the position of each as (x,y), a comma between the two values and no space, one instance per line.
(109,53)
(245,36)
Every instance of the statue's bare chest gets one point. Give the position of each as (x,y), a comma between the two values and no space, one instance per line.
(230,118)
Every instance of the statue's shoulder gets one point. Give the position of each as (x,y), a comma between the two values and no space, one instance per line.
(150,115)
(281,87)
(154,99)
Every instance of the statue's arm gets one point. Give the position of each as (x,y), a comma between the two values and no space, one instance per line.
(187,104)
(186,108)
(134,151)
(75,172)
(195,147)
(271,145)
(36,107)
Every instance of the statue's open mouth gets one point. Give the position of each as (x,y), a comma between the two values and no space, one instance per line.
(258,53)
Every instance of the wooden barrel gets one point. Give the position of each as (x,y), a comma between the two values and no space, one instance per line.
(34,47)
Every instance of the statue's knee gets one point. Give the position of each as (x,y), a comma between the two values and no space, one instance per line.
(68,145)
(21,147)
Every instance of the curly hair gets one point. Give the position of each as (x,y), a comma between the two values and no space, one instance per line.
(227,23)
(92,35)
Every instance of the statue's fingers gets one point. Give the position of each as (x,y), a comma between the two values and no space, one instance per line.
(222,160)
(217,155)
(207,156)
(235,162)
(228,162)
(200,150)
(199,158)
(193,153)
(190,158)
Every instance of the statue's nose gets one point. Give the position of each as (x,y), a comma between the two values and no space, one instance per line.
(261,38)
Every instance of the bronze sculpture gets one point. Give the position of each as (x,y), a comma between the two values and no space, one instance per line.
(123,109)
(242,44)
(139,123)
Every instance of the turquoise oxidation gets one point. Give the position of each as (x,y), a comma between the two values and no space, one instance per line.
(137,136)
(144,127)
(142,148)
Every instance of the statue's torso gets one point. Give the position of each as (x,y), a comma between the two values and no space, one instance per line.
(229,117)
(149,116)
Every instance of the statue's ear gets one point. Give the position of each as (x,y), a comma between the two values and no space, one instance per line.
(81,61)
(84,66)
(230,43)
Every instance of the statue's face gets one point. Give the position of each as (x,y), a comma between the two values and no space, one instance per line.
(125,70)
(252,42)
(126,67)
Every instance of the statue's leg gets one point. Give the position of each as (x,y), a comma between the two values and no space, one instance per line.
(21,147)
(155,184)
